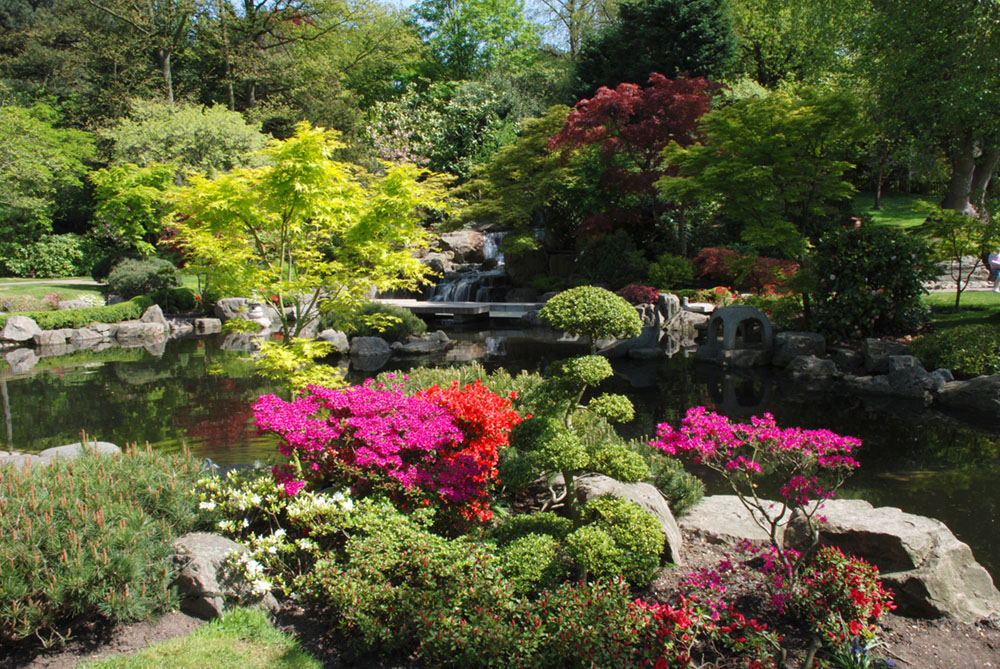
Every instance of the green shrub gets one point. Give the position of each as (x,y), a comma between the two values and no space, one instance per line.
(89,536)
(371,313)
(51,256)
(967,350)
(131,277)
(175,300)
(547,283)
(533,562)
(81,318)
(669,272)
(524,524)
(784,310)
(869,281)
(612,260)
(621,539)
(593,312)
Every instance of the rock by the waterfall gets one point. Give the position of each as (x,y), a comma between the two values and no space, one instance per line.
(19,328)
(207,325)
(76,450)
(21,360)
(154,315)
(930,571)
(981,394)
(132,330)
(591,486)
(362,347)
(440,263)
(876,353)
(789,345)
(722,519)
(466,245)
(337,338)
(812,367)
(205,581)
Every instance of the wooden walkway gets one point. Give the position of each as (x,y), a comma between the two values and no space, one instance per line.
(465,309)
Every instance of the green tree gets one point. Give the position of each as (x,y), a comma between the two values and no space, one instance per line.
(305,231)
(131,202)
(772,164)
(952,237)
(935,67)
(573,20)
(39,164)
(671,37)
(469,37)
(593,312)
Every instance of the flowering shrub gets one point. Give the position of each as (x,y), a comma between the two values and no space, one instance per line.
(720,296)
(748,272)
(636,294)
(813,463)
(375,435)
(783,309)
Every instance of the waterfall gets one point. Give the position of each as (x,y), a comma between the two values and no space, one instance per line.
(491,247)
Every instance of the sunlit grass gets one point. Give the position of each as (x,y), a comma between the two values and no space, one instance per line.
(39,288)
(898,209)
(974,308)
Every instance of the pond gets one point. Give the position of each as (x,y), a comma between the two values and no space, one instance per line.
(946,466)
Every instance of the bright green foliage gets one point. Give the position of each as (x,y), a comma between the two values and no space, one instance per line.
(953,236)
(131,202)
(615,408)
(681,489)
(500,381)
(203,139)
(967,350)
(531,562)
(671,37)
(90,534)
(295,364)
(81,318)
(131,278)
(772,164)
(869,281)
(377,320)
(306,230)
(671,271)
(174,300)
(48,256)
(592,312)
(527,524)
(39,164)
(469,37)
(621,538)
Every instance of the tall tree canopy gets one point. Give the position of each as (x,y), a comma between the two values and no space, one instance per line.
(671,37)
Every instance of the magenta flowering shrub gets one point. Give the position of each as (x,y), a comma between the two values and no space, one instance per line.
(813,464)
(636,294)
(363,435)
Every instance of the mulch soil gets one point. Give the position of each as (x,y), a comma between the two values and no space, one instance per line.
(909,643)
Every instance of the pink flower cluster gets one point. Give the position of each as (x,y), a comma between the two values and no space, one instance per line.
(761,447)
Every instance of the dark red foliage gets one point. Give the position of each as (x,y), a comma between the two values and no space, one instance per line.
(744,272)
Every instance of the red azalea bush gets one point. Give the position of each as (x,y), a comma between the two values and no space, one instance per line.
(437,447)
(636,294)
(745,272)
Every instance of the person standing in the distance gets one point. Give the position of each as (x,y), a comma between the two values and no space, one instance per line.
(993,264)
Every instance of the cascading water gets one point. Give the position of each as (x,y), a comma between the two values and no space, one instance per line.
(474,284)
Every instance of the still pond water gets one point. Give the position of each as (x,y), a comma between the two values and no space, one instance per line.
(945,466)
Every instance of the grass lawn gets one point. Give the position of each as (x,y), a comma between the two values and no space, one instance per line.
(39,288)
(898,209)
(974,308)
(242,638)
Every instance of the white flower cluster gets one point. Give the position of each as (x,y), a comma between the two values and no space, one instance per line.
(308,505)
(252,570)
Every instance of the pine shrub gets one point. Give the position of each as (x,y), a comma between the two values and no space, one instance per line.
(131,277)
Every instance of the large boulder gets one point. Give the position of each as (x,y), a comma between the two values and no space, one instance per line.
(722,519)
(337,338)
(231,307)
(440,263)
(207,325)
(789,345)
(809,366)
(49,338)
(366,347)
(930,571)
(154,315)
(76,450)
(908,378)
(85,337)
(591,486)
(981,394)
(877,352)
(19,328)
(466,245)
(208,582)
(133,330)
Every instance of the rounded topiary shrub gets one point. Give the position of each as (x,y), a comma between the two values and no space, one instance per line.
(131,277)
(620,538)
(869,281)
(967,350)
(593,312)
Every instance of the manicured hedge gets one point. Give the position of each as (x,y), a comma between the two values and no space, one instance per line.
(81,318)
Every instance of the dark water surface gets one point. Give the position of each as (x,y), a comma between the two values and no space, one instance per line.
(946,466)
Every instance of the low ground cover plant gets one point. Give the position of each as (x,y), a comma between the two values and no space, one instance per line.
(967,350)
(90,534)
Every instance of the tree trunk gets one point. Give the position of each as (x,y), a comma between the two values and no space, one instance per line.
(986,165)
(878,186)
(963,165)
(164,56)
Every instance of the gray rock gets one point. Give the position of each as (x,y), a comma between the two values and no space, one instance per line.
(76,450)
(231,307)
(871,385)
(980,394)
(21,360)
(591,486)
(438,335)
(648,338)
(930,571)
(668,306)
(132,330)
(206,583)
(847,360)
(944,374)
(466,245)
(20,460)
(112,300)
(365,347)
(876,353)
(813,367)
(19,328)
(789,345)
(337,338)
(179,328)
(207,325)
(722,519)
(49,338)
(74,304)
(908,378)
(418,347)
(106,330)
(154,315)
(369,363)
(83,337)
(439,262)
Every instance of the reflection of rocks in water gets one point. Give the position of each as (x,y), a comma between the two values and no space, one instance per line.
(140,375)
(496,346)
(467,351)
(369,363)
(21,360)
(638,373)
(240,341)
(740,394)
